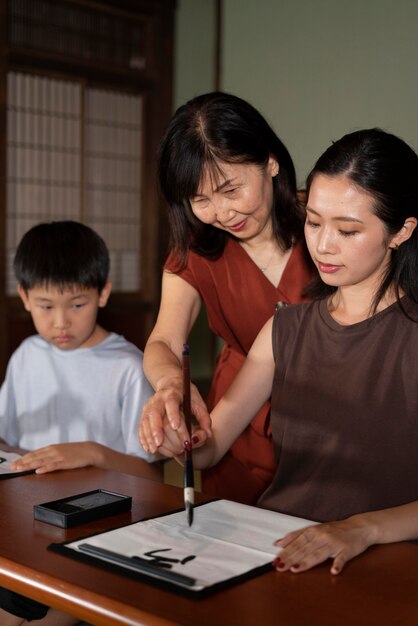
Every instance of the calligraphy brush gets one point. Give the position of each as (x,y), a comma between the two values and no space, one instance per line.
(188,459)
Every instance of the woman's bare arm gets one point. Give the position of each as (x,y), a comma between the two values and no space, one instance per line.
(179,308)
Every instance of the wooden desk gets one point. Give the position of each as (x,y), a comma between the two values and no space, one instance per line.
(380,587)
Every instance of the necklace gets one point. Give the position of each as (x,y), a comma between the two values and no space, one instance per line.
(265,268)
(253,257)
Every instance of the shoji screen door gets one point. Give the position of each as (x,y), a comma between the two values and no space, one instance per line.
(74,152)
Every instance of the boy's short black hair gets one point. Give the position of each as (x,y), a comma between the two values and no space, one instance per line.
(62,254)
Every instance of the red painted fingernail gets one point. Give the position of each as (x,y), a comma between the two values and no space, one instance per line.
(195,439)
(187,446)
(277,562)
(295,566)
(282,565)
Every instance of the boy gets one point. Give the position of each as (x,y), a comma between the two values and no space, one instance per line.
(73,393)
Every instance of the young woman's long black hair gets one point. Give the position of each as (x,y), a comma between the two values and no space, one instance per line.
(207,131)
(385,167)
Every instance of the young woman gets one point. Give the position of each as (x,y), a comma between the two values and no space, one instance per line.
(342,369)
(236,231)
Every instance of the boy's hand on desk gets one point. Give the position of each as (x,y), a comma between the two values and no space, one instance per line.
(58,457)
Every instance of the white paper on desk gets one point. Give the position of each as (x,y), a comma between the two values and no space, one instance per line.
(227,539)
(6,458)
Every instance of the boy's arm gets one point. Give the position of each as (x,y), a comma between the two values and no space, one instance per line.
(133,460)
(8,417)
(62,456)
(107,458)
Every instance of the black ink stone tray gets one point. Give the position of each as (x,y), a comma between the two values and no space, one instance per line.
(82,508)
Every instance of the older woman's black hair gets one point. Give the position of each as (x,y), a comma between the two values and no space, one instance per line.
(207,131)
(62,255)
(384,166)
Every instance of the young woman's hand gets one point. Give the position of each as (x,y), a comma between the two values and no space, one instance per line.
(340,541)
(174,442)
(163,412)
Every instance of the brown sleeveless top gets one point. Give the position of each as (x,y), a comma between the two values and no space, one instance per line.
(344,412)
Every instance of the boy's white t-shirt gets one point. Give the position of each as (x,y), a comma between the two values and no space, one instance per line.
(88,394)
